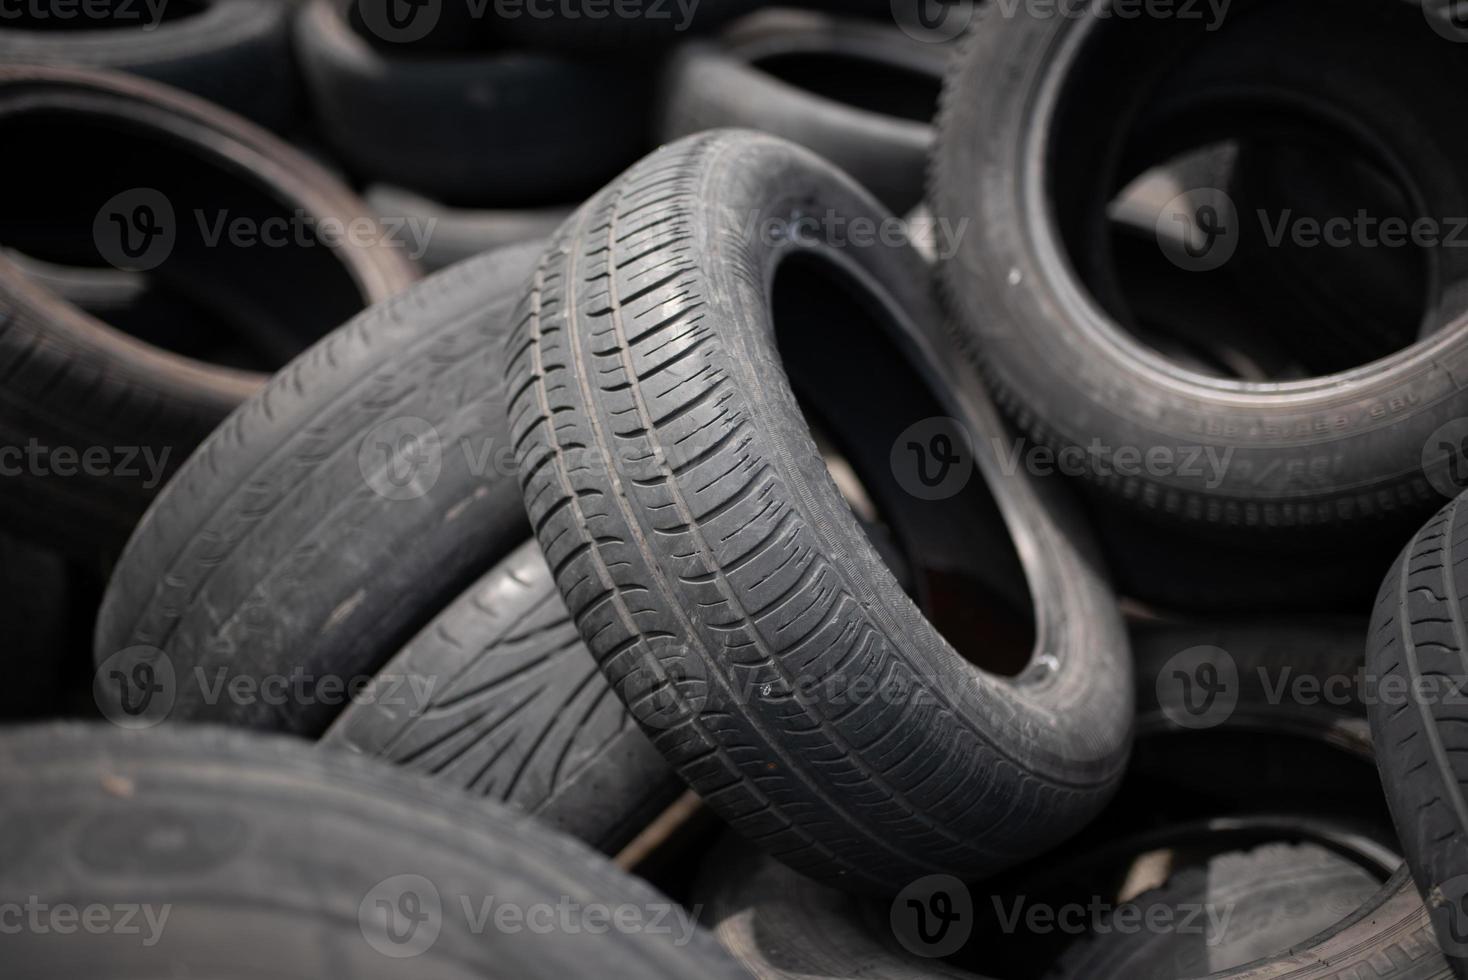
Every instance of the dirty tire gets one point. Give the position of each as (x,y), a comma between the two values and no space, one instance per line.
(518,712)
(1418,655)
(715,570)
(334,514)
(300,856)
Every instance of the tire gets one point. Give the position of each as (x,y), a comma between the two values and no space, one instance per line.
(689,481)
(1255,903)
(1325,451)
(860,94)
(515,128)
(234,53)
(73,383)
(266,857)
(782,926)
(1416,653)
(451,235)
(518,713)
(330,518)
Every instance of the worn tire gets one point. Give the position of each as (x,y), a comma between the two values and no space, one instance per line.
(1275,897)
(518,712)
(716,571)
(234,53)
(1319,452)
(331,516)
(1417,649)
(72,382)
(267,857)
(512,128)
(873,119)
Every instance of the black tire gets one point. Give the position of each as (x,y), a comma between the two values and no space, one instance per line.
(1416,654)
(330,517)
(518,712)
(1253,904)
(234,53)
(269,859)
(858,93)
(451,235)
(73,383)
(1322,451)
(782,926)
(513,128)
(715,569)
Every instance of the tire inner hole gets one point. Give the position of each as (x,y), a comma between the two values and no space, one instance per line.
(859,391)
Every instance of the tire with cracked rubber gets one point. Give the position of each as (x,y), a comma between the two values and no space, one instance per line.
(237,855)
(1417,655)
(720,577)
(517,712)
(332,516)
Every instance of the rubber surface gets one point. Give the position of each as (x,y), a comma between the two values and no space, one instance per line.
(218,853)
(331,516)
(860,94)
(723,582)
(455,234)
(1416,653)
(517,712)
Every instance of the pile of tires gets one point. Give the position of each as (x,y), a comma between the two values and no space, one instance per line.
(845,490)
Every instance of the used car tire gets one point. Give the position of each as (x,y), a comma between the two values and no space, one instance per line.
(1317,452)
(242,855)
(332,516)
(512,128)
(668,468)
(590,27)
(1416,653)
(234,53)
(861,94)
(76,384)
(517,712)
